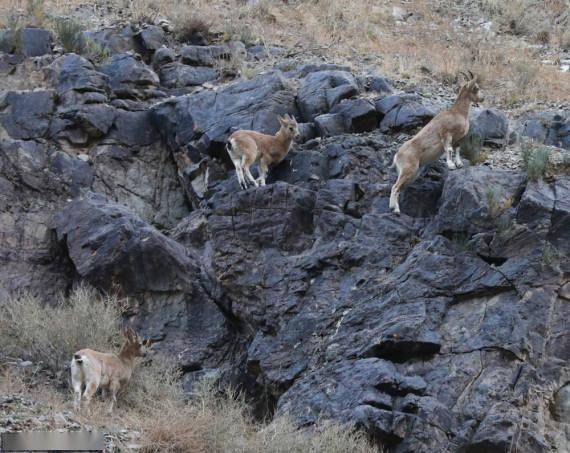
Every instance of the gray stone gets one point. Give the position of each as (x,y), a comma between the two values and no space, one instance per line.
(35,42)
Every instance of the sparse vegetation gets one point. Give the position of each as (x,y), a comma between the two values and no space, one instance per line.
(535,159)
(462,241)
(71,35)
(551,255)
(221,423)
(497,203)
(191,29)
(471,148)
(420,48)
(50,334)
(36,12)
(208,420)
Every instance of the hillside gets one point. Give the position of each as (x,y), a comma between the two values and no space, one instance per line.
(441,329)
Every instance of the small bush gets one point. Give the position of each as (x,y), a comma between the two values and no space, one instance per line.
(71,35)
(535,160)
(551,255)
(36,11)
(50,334)
(192,30)
(237,31)
(493,195)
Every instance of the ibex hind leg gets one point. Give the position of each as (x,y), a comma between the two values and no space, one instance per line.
(407,173)
(237,164)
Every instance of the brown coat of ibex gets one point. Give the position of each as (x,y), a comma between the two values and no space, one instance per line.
(441,134)
(93,369)
(247,147)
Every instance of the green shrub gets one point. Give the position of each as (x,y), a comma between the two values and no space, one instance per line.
(535,159)
(71,35)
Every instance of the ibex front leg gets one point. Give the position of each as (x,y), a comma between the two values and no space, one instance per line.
(458,161)
(449,152)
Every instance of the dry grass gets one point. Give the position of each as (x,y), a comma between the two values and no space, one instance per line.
(427,47)
(50,334)
(221,423)
(153,403)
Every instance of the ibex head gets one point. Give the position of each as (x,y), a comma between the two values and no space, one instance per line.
(289,126)
(471,88)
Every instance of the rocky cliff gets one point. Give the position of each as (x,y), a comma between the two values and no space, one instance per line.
(443,329)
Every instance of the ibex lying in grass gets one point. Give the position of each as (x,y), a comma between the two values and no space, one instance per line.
(441,134)
(247,147)
(92,369)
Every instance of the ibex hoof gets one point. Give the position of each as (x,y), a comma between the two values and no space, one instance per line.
(451,166)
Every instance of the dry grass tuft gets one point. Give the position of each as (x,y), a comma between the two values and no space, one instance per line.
(214,422)
(50,334)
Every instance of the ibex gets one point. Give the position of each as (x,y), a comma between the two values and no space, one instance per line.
(441,134)
(247,147)
(92,369)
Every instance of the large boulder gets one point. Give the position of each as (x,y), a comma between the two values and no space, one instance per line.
(34,42)
(491,125)
(116,40)
(178,75)
(211,55)
(320,91)
(484,196)
(129,77)
(550,128)
(403,112)
(77,81)
(26,115)
(350,115)
(152,37)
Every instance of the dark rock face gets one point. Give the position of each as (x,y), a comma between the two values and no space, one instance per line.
(34,180)
(320,91)
(77,81)
(26,115)
(129,77)
(35,42)
(110,246)
(551,128)
(442,329)
(403,112)
(177,75)
(209,55)
(117,40)
(203,121)
(152,37)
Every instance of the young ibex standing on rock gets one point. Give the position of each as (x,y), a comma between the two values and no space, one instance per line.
(441,134)
(92,369)
(247,147)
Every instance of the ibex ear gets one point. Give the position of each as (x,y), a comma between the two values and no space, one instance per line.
(282,119)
